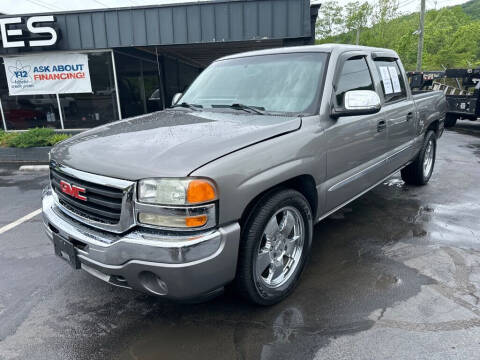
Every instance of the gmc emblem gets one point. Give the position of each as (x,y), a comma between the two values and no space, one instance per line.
(73,190)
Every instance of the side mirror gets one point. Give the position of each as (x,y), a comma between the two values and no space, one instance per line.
(359,102)
(175,98)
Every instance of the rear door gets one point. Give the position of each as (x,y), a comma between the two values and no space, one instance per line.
(356,144)
(398,109)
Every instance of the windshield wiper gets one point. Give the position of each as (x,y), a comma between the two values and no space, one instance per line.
(189,106)
(256,109)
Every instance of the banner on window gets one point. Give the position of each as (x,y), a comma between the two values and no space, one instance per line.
(48,74)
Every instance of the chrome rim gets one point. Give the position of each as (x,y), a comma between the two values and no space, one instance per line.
(428,159)
(280,248)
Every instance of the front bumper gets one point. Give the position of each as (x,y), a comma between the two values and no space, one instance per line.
(176,266)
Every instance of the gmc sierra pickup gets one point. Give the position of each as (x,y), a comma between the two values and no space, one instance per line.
(227,184)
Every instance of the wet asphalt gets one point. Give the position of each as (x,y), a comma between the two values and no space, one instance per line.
(394,275)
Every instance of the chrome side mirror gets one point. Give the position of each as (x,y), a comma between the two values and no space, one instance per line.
(175,98)
(359,102)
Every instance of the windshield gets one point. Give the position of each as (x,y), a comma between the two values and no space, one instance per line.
(276,83)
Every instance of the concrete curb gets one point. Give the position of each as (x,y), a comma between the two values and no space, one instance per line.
(31,155)
(33,168)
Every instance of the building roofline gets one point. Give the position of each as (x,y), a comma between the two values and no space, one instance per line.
(122,8)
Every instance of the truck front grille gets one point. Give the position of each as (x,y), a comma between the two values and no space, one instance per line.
(103,203)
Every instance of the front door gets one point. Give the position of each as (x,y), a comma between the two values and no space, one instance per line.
(356,144)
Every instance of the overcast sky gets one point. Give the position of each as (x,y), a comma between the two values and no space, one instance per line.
(36,6)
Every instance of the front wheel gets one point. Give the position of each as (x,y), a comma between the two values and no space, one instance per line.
(275,244)
(420,171)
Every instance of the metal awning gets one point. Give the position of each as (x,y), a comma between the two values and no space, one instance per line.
(206,22)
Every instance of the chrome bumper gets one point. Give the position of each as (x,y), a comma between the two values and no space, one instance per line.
(177,266)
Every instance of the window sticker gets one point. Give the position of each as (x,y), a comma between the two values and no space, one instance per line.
(387,82)
(395,81)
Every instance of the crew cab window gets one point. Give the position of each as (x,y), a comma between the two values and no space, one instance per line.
(392,80)
(355,75)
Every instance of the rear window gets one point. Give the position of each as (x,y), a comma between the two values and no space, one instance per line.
(393,84)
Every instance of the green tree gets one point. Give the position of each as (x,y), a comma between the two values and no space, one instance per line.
(383,12)
(451,37)
(357,17)
(330,18)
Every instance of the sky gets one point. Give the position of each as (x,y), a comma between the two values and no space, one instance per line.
(37,6)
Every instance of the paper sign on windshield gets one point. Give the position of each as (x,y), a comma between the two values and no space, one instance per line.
(387,83)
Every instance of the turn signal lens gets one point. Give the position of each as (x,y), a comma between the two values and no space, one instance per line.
(200,191)
(161,220)
(173,221)
(196,221)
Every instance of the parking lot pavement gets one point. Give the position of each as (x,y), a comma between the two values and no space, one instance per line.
(395,274)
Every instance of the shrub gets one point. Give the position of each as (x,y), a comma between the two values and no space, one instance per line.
(31,138)
(56,138)
(5,137)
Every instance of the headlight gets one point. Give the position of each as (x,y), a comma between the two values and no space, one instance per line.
(176,191)
(183,204)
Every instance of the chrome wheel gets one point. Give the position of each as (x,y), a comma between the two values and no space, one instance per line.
(428,158)
(280,248)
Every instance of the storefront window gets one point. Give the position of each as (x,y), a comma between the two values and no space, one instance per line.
(89,110)
(178,77)
(138,85)
(24,112)
(140,91)
(152,87)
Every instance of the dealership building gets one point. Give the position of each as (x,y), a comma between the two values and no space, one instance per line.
(76,70)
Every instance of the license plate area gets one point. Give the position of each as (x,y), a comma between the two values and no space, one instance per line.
(66,250)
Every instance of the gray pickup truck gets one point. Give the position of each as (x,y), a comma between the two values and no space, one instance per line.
(225,186)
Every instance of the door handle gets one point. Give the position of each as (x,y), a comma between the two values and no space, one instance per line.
(409,116)
(381,125)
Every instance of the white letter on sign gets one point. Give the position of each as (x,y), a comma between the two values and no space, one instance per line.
(42,30)
(10,32)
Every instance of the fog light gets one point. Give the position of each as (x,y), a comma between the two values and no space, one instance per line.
(153,283)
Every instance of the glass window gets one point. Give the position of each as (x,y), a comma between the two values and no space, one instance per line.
(129,85)
(138,82)
(152,87)
(355,75)
(178,77)
(170,70)
(24,112)
(392,80)
(99,107)
(277,83)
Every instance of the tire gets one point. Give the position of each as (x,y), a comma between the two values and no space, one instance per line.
(450,121)
(419,171)
(258,250)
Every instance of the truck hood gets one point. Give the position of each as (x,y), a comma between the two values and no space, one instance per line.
(170,143)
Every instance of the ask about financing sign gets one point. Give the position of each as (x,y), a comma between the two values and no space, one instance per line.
(48,74)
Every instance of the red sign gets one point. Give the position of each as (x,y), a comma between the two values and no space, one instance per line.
(73,190)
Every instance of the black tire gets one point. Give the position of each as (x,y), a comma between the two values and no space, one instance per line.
(450,121)
(247,284)
(414,174)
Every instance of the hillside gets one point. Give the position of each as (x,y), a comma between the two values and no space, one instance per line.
(451,37)
(472,8)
